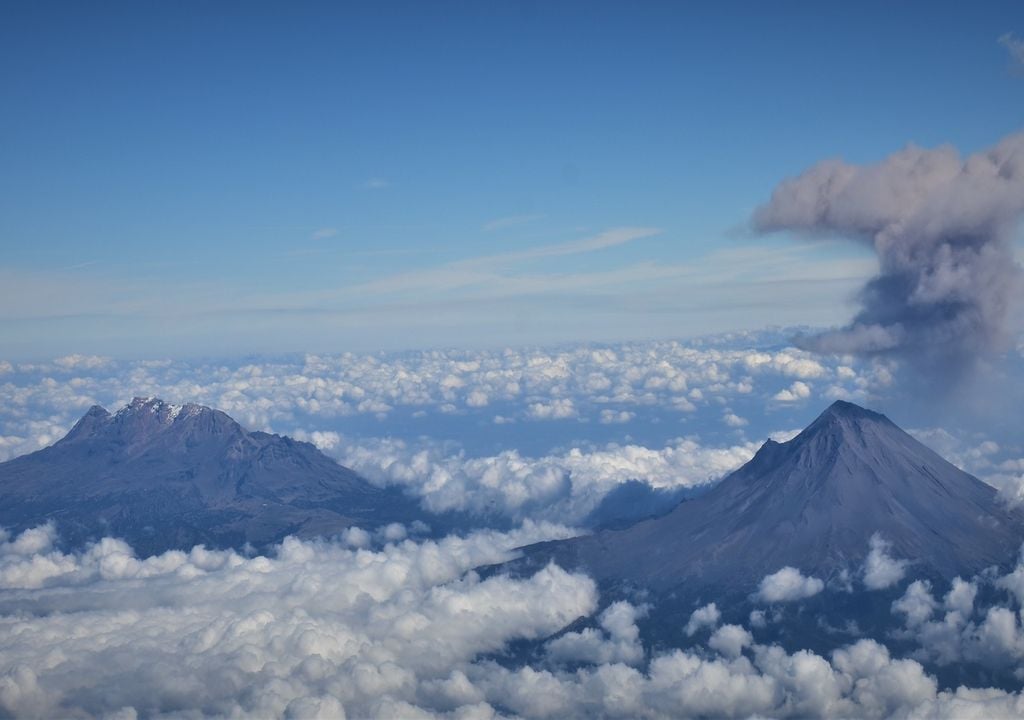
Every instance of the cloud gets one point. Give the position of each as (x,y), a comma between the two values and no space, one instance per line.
(861,680)
(217,633)
(917,603)
(37,435)
(606,239)
(558,409)
(334,401)
(612,417)
(733,420)
(1015,46)
(324,233)
(787,585)
(961,630)
(941,226)
(503,223)
(794,393)
(408,629)
(880,569)
(703,617)
(491,304)
(565,486)
(376,183)
(617,640)
(498,274)
(730,640)
(82,362)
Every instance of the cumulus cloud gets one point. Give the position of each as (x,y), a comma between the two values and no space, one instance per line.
(82,362)
(729,640)
(563,487)
(318,625)
(610,417)
(941,226)
(558,409)
(33,435)
(917,603)
(268,393)
(860,680)
(703,617)
(958,629)
(733,420)
(409,630)
(787,585)
(616,641)
(880,569)
(794,393)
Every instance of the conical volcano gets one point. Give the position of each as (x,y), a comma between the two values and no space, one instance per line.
(171,476)
(812,503)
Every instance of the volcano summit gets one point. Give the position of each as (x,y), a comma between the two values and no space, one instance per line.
(813,503)
(165,476)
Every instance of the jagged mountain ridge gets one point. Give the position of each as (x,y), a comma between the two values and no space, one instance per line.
(170,476)
(811,503)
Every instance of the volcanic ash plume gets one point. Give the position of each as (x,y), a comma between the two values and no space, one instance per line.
(942,227)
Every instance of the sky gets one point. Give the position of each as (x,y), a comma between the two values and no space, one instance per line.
(197,179)
(624,223)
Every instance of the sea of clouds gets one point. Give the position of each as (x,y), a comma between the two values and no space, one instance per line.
(374,625)
(408,629)
(516,433)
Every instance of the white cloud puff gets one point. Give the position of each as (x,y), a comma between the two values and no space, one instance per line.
(406,630)
(617,640)
(729,640)
(557,409)
(794,393)
(610,417)
(703,617)
(788,585)
(880,569)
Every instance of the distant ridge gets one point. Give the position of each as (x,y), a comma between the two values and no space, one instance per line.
(171,476)
(811,503)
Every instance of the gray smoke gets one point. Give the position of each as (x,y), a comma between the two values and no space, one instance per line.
(942,227)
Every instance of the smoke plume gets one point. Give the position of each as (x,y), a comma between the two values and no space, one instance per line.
(942,227)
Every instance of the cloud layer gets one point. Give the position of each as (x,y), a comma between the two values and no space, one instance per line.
(507,434)
(407,629)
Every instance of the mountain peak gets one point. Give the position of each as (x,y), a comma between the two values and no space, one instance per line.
(814,503)
(146,418)
(846,420)
(165,476)
(845,411)
(95,417)
(847,408)
(164,410)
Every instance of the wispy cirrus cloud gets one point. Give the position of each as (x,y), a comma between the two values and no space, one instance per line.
(503,223)
(497,270)
(1015,46)
(554,292)
(324,233)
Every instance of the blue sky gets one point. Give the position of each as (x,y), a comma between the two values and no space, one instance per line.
(202,179)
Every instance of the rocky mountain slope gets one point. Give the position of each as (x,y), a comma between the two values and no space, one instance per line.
(812,503)
(170,476)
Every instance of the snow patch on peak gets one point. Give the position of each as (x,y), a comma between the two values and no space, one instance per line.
(166,412)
